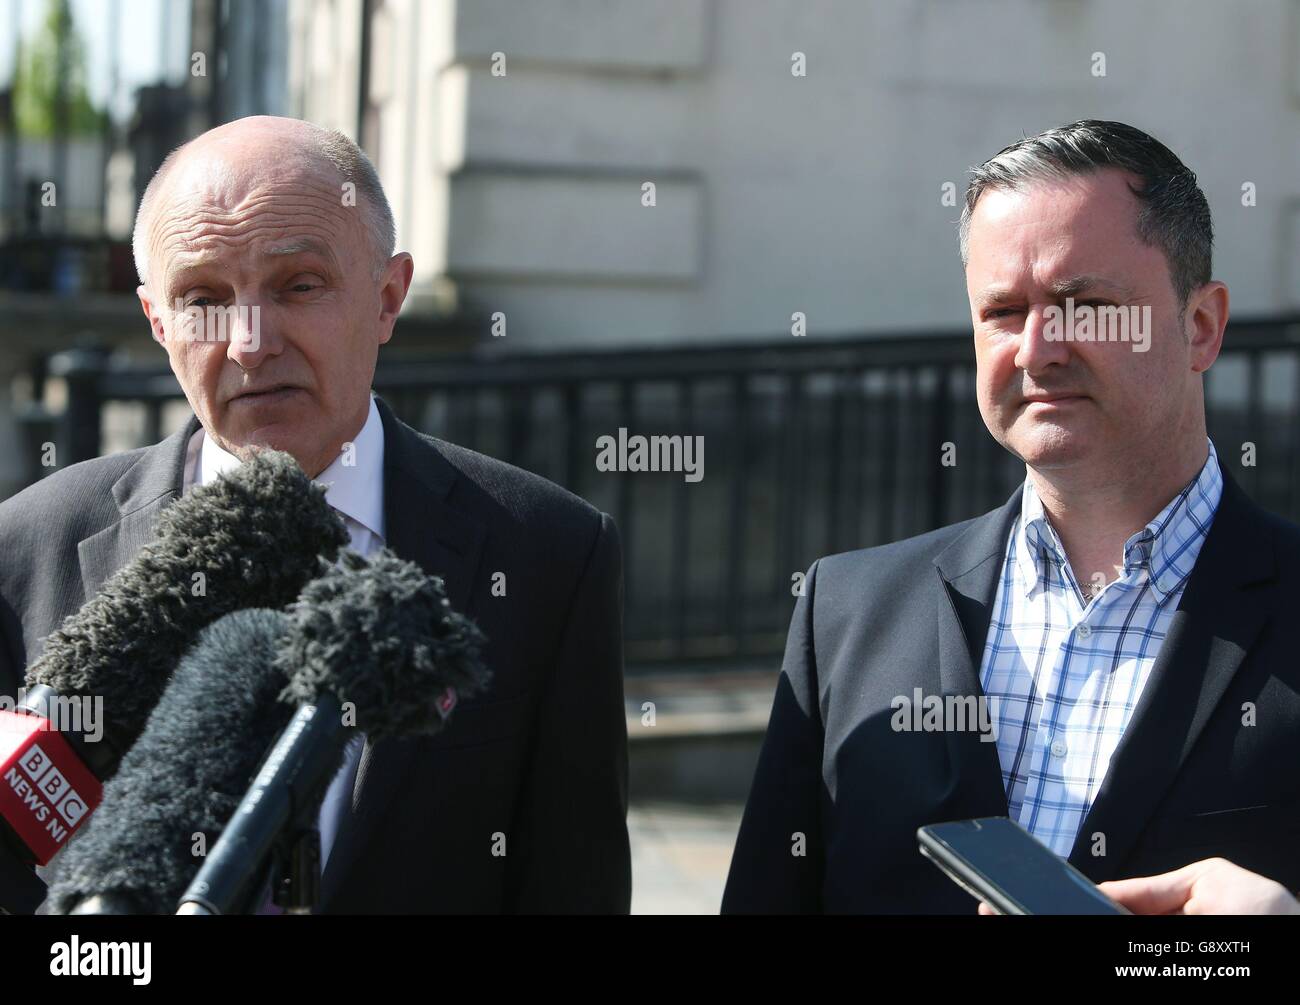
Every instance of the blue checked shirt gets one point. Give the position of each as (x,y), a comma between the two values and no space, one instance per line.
(1062,673)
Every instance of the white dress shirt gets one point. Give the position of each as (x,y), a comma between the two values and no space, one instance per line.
(355,489)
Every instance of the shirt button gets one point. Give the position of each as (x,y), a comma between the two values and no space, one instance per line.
(1059,748)
(1084,631)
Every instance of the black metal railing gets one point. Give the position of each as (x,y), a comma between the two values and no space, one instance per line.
(811,447)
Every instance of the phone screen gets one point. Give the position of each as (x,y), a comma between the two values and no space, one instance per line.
(1000,862)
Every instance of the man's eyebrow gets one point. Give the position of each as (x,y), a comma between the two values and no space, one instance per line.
(999,295)
(182,265)
(179,270)
(1061,289)
(298,246)
(194,260)
(1077,284)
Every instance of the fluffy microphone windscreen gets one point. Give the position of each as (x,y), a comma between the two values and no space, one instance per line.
(186,774)
(252,538)
(380,633)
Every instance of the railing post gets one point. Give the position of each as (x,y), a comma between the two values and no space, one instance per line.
(80,424)
(940,477)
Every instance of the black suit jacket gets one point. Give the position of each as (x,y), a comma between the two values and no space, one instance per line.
(1188,781)
(540,759)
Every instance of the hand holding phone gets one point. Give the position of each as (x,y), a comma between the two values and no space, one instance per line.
(997,861)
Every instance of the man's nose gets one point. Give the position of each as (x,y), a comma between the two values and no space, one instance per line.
(1037,350)
(251,339)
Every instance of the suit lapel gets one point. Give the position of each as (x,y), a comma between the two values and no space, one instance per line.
(968,579)
(1224,605)
(149,486)
(423,528)
(420,526)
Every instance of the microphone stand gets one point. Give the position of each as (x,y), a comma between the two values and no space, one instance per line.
(275,824)
(295,871)
(294,877)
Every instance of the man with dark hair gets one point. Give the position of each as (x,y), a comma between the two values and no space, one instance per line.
(1120,624)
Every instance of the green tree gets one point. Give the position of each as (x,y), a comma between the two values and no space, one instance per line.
(36,84)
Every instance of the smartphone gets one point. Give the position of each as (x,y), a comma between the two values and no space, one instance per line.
(997,861)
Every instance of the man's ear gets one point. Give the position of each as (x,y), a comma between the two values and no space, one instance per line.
(1205,319)
(396,282)
(155,319)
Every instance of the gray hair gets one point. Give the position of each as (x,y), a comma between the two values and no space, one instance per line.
(328,145)
(1174,214)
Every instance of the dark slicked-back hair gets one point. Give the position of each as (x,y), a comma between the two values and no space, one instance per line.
(1174,215)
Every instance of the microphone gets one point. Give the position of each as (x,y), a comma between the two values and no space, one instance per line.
(376,637)
(184,776)
(378,629)
(253,537)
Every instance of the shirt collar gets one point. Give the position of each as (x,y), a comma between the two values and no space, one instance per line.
(354,482)
(1167,546)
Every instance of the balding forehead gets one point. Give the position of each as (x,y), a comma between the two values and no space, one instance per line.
(195,173)
(252,165)
(226,172)
(222,185)
(277,220)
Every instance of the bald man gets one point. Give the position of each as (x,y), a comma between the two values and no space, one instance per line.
(280,231)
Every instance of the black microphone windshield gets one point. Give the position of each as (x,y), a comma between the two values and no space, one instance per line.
(380,633)
(376,633)
(185,775)
(252,538)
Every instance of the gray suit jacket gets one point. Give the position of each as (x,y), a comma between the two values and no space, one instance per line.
(541,758)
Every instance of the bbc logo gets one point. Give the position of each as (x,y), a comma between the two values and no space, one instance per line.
(50,783)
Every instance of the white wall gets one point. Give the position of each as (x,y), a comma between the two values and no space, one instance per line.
(777,193)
